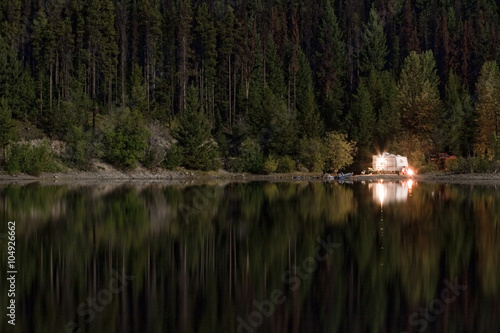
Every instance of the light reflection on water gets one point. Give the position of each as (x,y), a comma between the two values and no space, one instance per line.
(387,192)
(202,257)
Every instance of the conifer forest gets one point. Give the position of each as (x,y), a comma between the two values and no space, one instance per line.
(248,85)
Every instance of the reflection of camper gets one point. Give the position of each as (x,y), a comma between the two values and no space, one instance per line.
(390,192)
(389,163)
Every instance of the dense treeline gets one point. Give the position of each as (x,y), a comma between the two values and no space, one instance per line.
(259,85)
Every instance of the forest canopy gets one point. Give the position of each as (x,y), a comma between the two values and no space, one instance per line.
(250,85)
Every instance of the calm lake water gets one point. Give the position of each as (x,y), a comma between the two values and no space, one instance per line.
(253,257)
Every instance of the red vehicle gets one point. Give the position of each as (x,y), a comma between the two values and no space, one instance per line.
(445,156)
(441,158)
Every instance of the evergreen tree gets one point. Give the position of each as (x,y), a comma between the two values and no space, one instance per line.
(361,119)
(206,47)
(17,86)
(150,18)
(194,138)
(11,26)
(330,66)
(310,154)
(418,94)
(184,51)
(44,49)
(383,96)
(274,76)
(7,126)
(279,132)
(488,110)
(374,53)
(138,98)
(308,118)
(257,118)
(165,94)
(126,139)
(226,32)
(251,157)
(443,47)
(294,65)
(409,31)
(309,121)
(102,46)
(122,20)
(458,107)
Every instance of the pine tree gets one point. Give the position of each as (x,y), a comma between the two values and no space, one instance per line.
(443,47)
(184,51)
(102,48)
(488,109)
(294,59)
(122,20)
(64,56)
(418,94)
(206,49)
(11,26)
(330,66)
(458,107)
(194,138)
(308,118)
(126,139)
(150,19)
(7,126)
(44,49)
(16,83)
(274,76)
(226,32)
(361,119)
(165,94)
(410,35)
(374,52)
(383,97)
(256,116)
(138,97)
(278,133)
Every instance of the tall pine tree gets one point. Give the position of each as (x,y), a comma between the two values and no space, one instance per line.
(330,63)
(361,119)
(488,110)
(308,118)
(457,114)
(206,50)
(374,52)
(418,94)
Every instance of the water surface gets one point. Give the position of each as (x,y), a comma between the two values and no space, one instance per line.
(253,257)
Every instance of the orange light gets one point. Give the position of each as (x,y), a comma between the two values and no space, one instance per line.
(410,172)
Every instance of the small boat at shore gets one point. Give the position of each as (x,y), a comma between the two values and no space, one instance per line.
(341,175)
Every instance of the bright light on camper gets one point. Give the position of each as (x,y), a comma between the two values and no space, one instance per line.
(381,162)
(410,172)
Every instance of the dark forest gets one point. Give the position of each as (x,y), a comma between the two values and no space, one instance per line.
(258,86)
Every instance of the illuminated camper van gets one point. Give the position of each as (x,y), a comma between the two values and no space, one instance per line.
(389,163)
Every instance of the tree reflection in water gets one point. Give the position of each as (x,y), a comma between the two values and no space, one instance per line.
(400,242)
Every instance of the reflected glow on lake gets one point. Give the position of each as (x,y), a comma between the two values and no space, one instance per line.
(254,257)
(386,192)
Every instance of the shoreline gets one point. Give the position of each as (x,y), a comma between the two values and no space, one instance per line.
(141,175)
